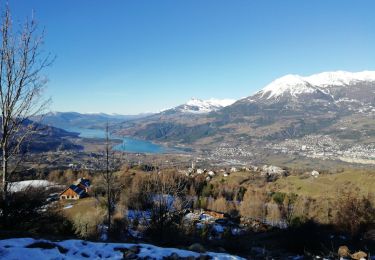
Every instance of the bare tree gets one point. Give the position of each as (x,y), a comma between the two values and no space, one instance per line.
(112,188)
(166,193)
(21,86)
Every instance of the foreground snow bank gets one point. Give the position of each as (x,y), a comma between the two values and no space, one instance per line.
(23,185)
(28,248)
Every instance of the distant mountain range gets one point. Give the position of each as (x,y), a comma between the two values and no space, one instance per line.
(69,120)
(326,115)
(338,104)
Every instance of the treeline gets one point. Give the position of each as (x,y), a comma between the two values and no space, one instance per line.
(348,212)
(167,196)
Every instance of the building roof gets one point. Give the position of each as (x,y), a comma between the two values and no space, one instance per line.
(77,189)
(84,182)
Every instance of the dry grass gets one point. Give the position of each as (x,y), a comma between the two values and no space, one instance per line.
(79,206)
(328,185)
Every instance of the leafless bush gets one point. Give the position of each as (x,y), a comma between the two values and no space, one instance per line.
(354,213)
(22,208)
(86,224)
(254,204)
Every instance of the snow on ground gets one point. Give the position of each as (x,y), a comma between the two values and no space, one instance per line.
(16,248)
(23,185)
(69,206)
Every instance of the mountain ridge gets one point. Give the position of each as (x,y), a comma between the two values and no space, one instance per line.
(341,107)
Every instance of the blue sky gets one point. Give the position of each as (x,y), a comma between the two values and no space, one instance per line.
(135,56)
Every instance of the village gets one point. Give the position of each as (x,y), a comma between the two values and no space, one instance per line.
(327,148)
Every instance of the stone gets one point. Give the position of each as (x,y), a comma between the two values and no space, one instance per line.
(196,247)
(343,251)
(135,249)
(128,255)
(359,255)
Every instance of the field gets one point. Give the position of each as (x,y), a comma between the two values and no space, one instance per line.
(328,185)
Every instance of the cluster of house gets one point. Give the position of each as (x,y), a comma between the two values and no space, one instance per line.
(217,222)
(77,190)
(266,170)
(192,171)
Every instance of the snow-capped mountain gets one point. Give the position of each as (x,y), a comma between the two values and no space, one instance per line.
(199,106)
(326,84)
(338,104)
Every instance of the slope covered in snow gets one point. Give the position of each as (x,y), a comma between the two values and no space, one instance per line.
(23,185)
(295,85)
(195,105)
(28,248)
(200,106)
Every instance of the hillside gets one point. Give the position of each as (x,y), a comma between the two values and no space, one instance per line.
(326,115)
(47,138)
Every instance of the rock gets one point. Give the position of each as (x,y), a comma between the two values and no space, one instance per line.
(196,247)
(129,255)
(85,255)
(135,249)
(271,170)
(204,257)
(343,251)
(359,255)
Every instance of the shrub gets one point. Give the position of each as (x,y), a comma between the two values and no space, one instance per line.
(254,204)
(86,225)
(278,197)
(354,213)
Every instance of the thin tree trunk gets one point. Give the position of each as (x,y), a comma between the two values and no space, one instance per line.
(5,173)
(108,180)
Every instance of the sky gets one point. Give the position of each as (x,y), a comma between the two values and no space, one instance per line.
(135,56)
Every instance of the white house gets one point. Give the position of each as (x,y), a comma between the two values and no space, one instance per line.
(315,174)
(200,171)
(211,173)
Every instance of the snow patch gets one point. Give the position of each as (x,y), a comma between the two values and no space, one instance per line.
(16,248)
(23,185)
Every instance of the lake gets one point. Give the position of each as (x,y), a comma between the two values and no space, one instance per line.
(128,145)
(140,146)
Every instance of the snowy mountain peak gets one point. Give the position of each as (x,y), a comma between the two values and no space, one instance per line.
(199,106)
(213,102)
(340,78)
(292,84)
(295,85)
(196,105)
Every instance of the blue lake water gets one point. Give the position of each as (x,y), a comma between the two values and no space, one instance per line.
(87,133)
(139,146)
(128,145)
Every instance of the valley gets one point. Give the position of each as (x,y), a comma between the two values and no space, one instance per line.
(187,130)
(278,163)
